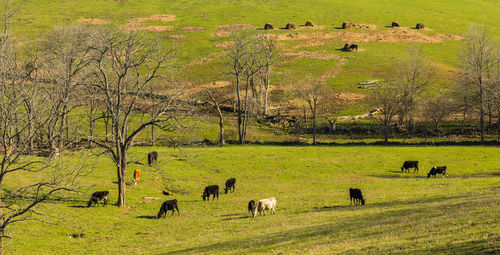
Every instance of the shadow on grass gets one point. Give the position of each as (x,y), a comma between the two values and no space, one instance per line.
(149,217)
(358,228)
(392,176)
(79,206)
(236,218)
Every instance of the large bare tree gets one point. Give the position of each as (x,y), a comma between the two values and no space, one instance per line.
(315,95)
(413,74)
(66,59)
(18,125)
(387,99)
(478,58)
(126,65)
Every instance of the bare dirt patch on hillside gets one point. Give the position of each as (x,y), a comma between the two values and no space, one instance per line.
(138,23)
(393,35)
(226,30)
(310,54)
(364,26)
(157,29)
(349,97)
(92,21)
(192,29)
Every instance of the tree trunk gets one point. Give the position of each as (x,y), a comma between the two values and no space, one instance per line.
(267,91)
(314,125)
(481,110)
(221,126)
(153,142)
(238,105)
(386,131)
(121,174)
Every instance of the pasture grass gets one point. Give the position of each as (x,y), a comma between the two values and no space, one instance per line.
(404,213)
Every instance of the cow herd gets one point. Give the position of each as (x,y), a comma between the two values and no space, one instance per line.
(407,165)
(263,205)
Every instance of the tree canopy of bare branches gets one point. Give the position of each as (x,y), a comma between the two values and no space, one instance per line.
(478,58)
(126,66)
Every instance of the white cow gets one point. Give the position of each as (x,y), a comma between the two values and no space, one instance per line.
(265,204)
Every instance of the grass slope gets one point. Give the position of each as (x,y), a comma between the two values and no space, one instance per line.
(441,17)
(405,213)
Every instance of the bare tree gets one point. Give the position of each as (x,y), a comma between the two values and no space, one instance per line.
(217,98)
(268,45)
(478,58)
(388,100)
(413,74)
(20,203)
(243,65)
(126,65)
(67,55)
(315,95)
(436,109)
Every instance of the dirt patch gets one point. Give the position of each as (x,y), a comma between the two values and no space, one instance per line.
(138,23)
(310,43)
(192,29)
(393,35)
(176,37)
(349,97)
(225,45)
(92,21)
(363,26)
(226,30)
(310,54)
(157,28)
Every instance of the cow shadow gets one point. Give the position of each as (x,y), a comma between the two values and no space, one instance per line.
(406,176)
(149,217)
(236,218)
(78,206)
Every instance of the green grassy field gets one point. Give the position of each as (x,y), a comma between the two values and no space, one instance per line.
(404,213)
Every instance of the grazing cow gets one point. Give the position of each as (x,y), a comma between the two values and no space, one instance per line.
(268,26)
(137,176)
(210,190)
(251,208)
(166,193)
(395,24)
(169,205)
(309,24)
(357,196)
(152,157)
(410,164)
(346,25)
(98,196)
(230,183)
(353,47)
(419,26)
(437,170)
(265,204)
(290,26)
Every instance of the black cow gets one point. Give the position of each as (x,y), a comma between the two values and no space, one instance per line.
(357,196)
(230,183)
(437,170)
(152,157)
(419,26)
(395,24)
(410,164)
(251,207)
(98,196)
(353,47)
(169,205)
(268,26)
(210,190)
